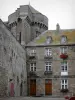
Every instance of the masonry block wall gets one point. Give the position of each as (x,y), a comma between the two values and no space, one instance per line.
(56,70)
(27,21)
(13,65)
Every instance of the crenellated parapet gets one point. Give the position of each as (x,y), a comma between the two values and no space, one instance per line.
(13,24)
(26,23)
(40,25)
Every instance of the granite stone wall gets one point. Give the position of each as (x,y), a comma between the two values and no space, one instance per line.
(12,64)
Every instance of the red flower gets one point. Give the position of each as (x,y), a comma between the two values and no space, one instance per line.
(63,56)
(67,97)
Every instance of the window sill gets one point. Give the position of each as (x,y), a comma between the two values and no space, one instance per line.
(64,90)
(64,73)
(47,72)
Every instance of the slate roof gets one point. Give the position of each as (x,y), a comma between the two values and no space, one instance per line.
(56,37)
(34,11)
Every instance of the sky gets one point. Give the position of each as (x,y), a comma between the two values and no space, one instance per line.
(57,11)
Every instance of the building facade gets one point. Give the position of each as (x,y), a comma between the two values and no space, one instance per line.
(50,63)
(35,61)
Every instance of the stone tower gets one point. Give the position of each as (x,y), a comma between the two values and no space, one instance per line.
(26,23)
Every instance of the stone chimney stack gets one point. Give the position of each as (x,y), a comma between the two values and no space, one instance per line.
(57,27)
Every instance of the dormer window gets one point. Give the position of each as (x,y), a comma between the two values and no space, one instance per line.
(63,39)
(49,40)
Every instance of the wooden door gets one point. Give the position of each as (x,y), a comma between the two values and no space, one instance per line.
(32,87)
(48,87)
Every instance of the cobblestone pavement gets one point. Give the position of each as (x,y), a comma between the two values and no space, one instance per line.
(31,98)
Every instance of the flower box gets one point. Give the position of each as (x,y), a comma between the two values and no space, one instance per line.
(67,97)
(64,90)
(64,56)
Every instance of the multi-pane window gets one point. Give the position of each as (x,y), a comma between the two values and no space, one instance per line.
(48,52)
(33,67)
(63,39)
(63,50)
(49,39)
(33,52)
(64,84)
(64,67)
(48,66)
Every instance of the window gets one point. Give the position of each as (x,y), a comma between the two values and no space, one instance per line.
(19,19)
(64,67)
(12,53)
(48,52)
(20,37)
(48,66)
(63,50)
(64,84)
(37,33)
(49,40)
(63,39)
(33,52)
(33,67)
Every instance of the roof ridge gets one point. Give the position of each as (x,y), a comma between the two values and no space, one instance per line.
(33,10)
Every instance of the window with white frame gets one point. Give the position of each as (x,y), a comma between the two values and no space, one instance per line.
(33,52)
(33,66)
(63,50)
(63,39)
(48,52)
(48,66)
(64,68)
(49,40)
(64,84)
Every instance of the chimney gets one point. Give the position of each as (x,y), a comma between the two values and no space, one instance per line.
(57,27)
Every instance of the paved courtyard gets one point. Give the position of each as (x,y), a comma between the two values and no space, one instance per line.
(31,98)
